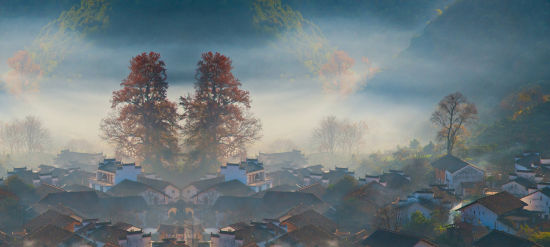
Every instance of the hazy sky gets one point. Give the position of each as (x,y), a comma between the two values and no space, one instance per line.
(80,68)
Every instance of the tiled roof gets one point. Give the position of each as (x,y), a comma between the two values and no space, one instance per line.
(311,217)
(130,188)
(383,238)
(499,203)
(524,182)
(51,235)
(450,163)
(231,188)
(308,236)
(155,183)
(49,217)
(502,239)
(206,183)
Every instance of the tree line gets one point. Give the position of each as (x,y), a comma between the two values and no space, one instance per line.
(199,131)
(26,135)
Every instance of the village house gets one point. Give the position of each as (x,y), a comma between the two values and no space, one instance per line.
(538,201)
(499,212)
(278,161)
(230,188)
(249,172)
(168,188)
(33,178)
(369,178)
(52,217)
(309,217)
(384,238)
(119,234)
(84,161)
(225,237)
(189,191)
(529,160)
(171,232)
(131,188)
(519,186)
(453,172)
(111,172)
(423,201)
(51,235)
(307,236)
(503,239)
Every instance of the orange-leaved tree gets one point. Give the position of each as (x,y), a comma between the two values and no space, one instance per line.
(144,124)
(218,123)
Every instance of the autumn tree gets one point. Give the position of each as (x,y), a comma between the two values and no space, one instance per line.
(218,123)
(144,124)
(453,112)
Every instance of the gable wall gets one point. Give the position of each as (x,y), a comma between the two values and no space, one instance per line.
(537,202)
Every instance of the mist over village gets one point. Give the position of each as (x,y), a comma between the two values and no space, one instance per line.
(275,123)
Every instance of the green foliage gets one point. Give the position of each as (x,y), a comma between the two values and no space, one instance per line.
(424,226)
(542,238)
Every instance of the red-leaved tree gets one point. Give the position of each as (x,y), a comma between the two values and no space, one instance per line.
(144,124)
(217,121)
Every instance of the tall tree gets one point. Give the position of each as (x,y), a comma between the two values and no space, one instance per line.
(144,124)
(453,112)
(217,121)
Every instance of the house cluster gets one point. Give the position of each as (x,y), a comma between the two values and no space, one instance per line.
(245,204)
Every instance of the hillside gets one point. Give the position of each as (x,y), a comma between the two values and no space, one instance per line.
(483,48)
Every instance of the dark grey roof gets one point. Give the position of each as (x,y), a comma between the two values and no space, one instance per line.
(383,238)
(450,163)
(155,183)
(232,188)
(524,182)
(130,188)
(206,183)
(529,159)
(501,239)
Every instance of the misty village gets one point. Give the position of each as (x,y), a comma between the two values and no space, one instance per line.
(275,123)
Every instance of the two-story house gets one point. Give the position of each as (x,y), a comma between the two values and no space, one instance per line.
(454,172)
(249,172)
(110,172)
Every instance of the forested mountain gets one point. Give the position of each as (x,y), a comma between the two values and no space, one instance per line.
(487,49)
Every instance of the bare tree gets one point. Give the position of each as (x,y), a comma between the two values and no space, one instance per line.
(350,135)
(452,114)
(11,136)
(326,135)
(34,135)
(334,135)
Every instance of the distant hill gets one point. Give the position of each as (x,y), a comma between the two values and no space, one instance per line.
(529,130)
(483,48)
